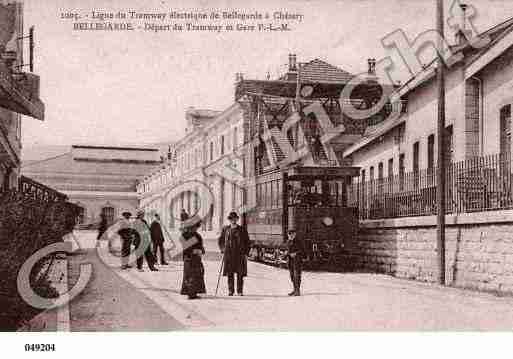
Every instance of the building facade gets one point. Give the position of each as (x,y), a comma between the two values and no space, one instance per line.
(192,172)
(99,179)
(19,92)
(477,118)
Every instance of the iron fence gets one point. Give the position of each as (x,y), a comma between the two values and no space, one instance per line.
(477,184)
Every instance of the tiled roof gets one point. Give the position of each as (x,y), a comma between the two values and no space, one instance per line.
(320,71)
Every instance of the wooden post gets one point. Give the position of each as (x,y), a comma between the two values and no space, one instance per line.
(440,195)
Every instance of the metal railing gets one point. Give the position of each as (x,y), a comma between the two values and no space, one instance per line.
(477,184)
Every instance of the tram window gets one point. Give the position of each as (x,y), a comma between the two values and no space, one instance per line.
(279,192)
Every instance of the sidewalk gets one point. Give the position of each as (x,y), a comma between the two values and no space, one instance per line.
(131,300)
(109,303)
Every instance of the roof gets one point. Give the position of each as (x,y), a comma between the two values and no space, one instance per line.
(495,34)
(65,164)
(320,71)
(114,148)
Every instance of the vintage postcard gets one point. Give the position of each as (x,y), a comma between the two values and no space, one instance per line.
(240,166)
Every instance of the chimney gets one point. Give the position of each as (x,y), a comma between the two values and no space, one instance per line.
(371,66)
(292,63)
(462,33)
(292,73)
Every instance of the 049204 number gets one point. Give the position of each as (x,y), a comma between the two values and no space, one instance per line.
(39,347)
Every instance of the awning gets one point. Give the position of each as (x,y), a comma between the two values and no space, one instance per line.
(21,95)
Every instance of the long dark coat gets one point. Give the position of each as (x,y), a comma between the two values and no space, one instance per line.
(156,233)
(235,244)
(193,270)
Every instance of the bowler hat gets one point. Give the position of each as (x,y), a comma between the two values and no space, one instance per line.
(126,214)
(233,215)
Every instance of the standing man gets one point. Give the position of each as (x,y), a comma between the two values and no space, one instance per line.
(126,233)
(234,243)
(103,226)
(157,239)
(183,215)
(143,242)
(295,248)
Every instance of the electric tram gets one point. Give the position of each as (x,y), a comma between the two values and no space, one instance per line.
(313,201)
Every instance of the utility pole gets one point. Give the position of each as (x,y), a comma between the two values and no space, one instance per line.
(440,178)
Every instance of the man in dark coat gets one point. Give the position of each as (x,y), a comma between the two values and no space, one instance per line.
(143,241)
(295,248)
(183,215)
(103,226)
(126,234)
(234,243)
(157,239)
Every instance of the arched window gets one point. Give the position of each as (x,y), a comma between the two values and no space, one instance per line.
(108,212)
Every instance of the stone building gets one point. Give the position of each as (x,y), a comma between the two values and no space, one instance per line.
(193,168)
(100,179)
(19,91)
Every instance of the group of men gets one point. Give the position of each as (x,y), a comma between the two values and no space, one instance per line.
(147,239)
(233,242)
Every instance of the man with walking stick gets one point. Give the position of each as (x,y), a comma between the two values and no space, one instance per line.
(234,244)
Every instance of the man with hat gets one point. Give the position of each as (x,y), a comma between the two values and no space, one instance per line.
(143,242)
(157,239)
(126,233)
(295,248)
(234,243)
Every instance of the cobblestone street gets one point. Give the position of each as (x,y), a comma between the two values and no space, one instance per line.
(131,300)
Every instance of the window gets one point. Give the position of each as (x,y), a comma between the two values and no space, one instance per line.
(211,151)
(416,157)
(108,212)
(448,143)
(505,136)
(416,164)
(235,139)
(234,196)
(390,168)
(401,171)
(431,152)
(371,173)
(222,145)
(380,171)
(81,215)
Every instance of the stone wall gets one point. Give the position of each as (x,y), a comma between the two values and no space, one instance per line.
(479,249)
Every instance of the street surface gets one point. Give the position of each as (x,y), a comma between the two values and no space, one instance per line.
(132,300)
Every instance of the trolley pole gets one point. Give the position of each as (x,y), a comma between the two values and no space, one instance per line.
(440,193)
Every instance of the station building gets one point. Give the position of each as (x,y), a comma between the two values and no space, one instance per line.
(99,179)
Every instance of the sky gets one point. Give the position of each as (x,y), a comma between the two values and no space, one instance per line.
(134,87)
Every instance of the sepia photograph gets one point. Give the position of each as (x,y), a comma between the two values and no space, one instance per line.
(206,169)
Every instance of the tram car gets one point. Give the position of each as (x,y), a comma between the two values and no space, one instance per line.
(313,201)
